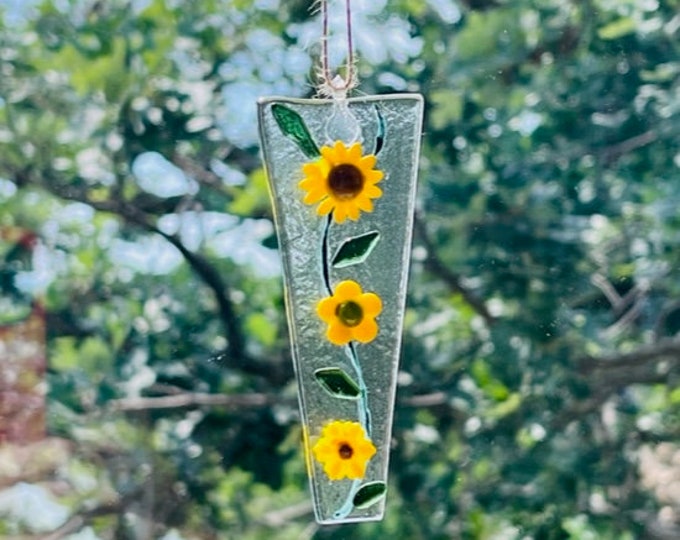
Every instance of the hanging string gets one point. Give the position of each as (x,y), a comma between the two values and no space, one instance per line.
(337,86)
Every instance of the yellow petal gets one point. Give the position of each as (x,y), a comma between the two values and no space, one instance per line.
(320,449)
(347,290)
(312,171)
(364,449)
(325,309)
(372,192)
(314,197)
(366,331)
(355,469)
(371,304)
(338,334)
(367,162)
(325,207)
(334,469)
(340,152)
(373,177)
(328,153)
(324,169)
(330,430)
(354,153)
(352,211)
(307,183)
(340,214)
(348,431)
(365,204)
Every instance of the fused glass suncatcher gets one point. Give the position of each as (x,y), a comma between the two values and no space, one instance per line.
(342,175)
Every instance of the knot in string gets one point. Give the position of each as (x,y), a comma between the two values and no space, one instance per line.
(337,87)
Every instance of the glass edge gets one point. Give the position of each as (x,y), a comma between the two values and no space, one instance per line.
(265,100)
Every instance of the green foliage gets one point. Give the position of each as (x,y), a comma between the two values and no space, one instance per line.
(541,344)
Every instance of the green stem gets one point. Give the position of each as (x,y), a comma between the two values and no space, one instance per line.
(325,267)
(347,507)
(362,403)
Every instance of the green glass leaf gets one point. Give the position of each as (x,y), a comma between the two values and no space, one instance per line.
(356,250)
(369,494)
(337,383)
(293,126)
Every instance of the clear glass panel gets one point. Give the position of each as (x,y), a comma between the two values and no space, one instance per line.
(342,277)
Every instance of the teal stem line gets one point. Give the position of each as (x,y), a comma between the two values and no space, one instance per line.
(380,136)
(362,402)
(347,507)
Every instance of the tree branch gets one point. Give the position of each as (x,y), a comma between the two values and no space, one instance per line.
(198,264)
(601,395)
(235,355)
(664,349)
(279,518)
(193,399)
(616,372)
(612,153)
(437,267)
(185,400)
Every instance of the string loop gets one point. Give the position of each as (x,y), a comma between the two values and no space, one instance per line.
(337,87)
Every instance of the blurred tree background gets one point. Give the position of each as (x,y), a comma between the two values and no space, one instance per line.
(538,395)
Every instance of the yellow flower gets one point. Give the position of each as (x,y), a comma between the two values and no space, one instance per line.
(350,314)
(343,450)
(342,181)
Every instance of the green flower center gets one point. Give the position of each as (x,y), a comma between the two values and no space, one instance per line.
(345,451)
(345,181)
(350,313)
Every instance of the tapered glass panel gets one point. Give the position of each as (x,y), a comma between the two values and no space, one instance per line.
(343,178)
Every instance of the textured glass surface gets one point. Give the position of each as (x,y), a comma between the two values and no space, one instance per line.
(354,382)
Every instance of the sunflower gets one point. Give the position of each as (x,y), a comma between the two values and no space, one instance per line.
(350,314)
(343,450)
(342,181)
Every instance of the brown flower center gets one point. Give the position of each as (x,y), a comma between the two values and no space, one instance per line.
(345,451)
(345,181)
(350,313)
